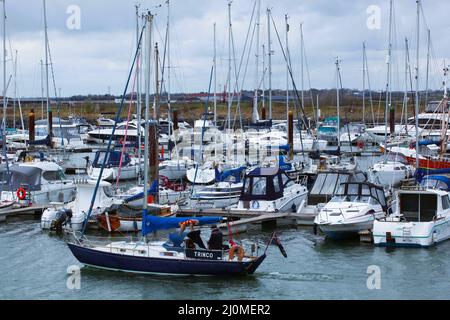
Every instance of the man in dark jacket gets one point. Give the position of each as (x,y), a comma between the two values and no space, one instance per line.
(215,241)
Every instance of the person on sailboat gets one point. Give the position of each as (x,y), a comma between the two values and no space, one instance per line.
(215,241)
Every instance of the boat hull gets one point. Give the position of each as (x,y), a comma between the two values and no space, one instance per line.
(135,264)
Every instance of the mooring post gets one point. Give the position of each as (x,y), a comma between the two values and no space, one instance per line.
(291,135)
(31,125)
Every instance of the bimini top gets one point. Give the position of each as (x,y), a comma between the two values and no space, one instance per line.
(265,184)
(362,190)
(436,182)
(263,172)
(112,161)
(22,176)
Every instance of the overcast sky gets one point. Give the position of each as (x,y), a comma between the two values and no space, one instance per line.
(98,55)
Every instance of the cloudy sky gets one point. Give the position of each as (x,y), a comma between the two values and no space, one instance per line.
(98,55)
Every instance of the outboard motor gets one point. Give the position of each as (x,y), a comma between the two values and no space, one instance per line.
(62,217)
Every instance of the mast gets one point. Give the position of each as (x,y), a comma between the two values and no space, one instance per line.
(263,91)
(286,17)
(46,67)
(15,90)
(229,67)
(215,77)
(168,68)
(301,64)
(138,89)
(42,90)
(4,80)
(364,83)
(255,115)
(417,84)
(428,65)
(338,107)
(148,71)
(269,43)
(387,104)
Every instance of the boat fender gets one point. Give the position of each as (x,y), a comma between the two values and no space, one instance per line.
(21,193)
(240,253)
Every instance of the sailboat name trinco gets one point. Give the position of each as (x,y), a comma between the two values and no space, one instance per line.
(227,310)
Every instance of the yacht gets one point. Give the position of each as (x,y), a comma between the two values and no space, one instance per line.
(118,166)
(420,218)
(353,208)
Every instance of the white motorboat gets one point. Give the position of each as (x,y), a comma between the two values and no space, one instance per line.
(118,166)
(40,183)
(74,214)
(218,195)
(175,169)
(391,171)
(420,218)
(354,208)
(270,190)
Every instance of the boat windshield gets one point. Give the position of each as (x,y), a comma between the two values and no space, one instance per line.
(431,183)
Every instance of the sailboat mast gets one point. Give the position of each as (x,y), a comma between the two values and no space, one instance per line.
(255,116)
(46,67)
(138,90)
(147,106)
(229,67)
(286,18)
(4,79)
(269,43)
(364,83)
(338,104)
(168,68)
(417,83)
(302,65)
(15,90)
(42,89)
(387,104)
(215,76)
(428,66)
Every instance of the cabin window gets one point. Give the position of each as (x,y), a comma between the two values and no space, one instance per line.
(54,175)
(259,186)
(329,184)
(418,207)
(445,202)
(318,183)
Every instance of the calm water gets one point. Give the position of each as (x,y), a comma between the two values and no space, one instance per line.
(33,265)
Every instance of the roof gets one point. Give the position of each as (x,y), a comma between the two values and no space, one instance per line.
(43,165)
(258,172)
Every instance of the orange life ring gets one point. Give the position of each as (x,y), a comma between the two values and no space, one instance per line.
(21,193)
(240,250)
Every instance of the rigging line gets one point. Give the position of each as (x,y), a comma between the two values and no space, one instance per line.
(58,100)
(292,79)
(370,88)
(237,72)
(116,120)
(126,129)
(244,74)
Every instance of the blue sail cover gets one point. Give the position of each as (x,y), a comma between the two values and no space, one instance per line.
(152,223)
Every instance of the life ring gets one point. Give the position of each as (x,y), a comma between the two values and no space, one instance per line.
(186,223)
(21,193)
(232,251)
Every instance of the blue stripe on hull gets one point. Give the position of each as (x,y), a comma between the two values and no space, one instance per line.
(400,245)
(160,265)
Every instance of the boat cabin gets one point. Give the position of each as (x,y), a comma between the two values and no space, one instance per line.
(422,205)
(328,183)
(265,184)
(361,192)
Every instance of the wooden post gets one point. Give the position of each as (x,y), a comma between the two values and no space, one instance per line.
(291,135)
(263,113)
(50,127)
(31,125)
(153,154)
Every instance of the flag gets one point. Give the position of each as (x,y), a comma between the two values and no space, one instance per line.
(276,241)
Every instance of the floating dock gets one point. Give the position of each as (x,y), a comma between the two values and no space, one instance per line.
(22,211)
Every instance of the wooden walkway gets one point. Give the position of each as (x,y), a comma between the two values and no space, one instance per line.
(32,210)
